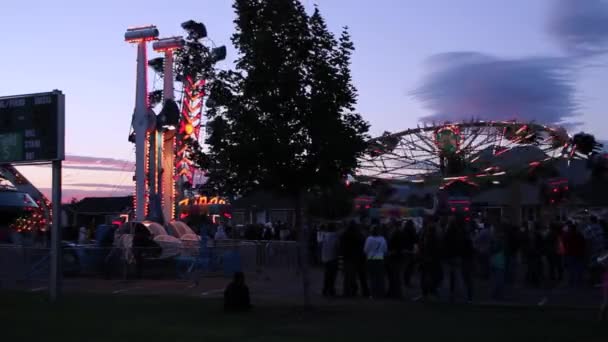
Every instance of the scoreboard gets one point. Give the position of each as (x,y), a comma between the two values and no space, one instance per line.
(32,128)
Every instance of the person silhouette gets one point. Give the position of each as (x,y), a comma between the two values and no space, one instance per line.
(236,295)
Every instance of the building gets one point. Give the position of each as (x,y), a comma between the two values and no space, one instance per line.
(93,211)
(261,207)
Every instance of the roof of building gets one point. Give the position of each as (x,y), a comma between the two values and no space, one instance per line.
(102,205)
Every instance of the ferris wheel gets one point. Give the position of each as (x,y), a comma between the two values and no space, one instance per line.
(456,149)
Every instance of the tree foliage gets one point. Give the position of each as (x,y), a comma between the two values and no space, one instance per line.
(284,119)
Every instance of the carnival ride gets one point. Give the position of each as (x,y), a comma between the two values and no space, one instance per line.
(164,170)
(454,149)
(472,153)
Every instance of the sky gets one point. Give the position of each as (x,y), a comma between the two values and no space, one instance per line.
(415,60)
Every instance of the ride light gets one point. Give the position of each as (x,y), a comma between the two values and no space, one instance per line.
(170,43)
(142,33)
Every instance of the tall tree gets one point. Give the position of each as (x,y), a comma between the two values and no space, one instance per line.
(283,121)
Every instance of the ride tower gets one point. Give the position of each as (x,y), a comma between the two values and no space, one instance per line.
(165,137)
(143,121)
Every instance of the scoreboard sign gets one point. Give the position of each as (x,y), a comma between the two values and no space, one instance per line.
(32,128)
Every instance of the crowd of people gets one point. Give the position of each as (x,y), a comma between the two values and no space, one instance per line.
(382,260)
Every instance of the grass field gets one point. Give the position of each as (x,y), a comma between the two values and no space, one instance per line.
(29,317)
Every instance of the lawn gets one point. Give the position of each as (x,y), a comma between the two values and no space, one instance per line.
(29,317)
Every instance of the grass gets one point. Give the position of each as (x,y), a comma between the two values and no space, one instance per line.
(29,317)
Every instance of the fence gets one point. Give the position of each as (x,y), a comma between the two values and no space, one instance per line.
(25,265)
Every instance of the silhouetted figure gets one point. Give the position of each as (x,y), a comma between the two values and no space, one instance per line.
(352,243)
(236,295)
(532,251)
(143,246)
(396,262)
(329,257)
(574,245)
(410,241)
(431,273)
(459,254)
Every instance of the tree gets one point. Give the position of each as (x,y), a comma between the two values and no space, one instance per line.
(283,121)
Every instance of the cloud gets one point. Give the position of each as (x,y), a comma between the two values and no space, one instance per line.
(95,163)
(103,186)
(465,85)
(580,26)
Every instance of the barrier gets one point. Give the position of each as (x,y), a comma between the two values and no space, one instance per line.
(24,264)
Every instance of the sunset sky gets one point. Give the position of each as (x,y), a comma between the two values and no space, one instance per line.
(415,60)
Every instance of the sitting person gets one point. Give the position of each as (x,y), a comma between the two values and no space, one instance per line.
(236,295)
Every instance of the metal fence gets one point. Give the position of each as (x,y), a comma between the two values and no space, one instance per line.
(25,265)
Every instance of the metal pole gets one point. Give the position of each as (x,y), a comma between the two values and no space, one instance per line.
(140,125)
(55,279)
(168,90)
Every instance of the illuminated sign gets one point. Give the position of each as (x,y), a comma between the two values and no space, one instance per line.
(32,128)
(202,200)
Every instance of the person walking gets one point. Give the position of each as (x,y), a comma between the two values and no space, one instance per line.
(375,249)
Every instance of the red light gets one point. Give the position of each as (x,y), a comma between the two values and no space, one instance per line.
(566,188)
(453,209)
(555,189)
(466,209)
(552,201)
(368,206)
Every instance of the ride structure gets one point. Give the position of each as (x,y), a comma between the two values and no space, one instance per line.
(168,119)
(455,161)
(458,149)
(143,122)
(164,171)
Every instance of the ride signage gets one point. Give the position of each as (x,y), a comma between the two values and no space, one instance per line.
(32,128)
